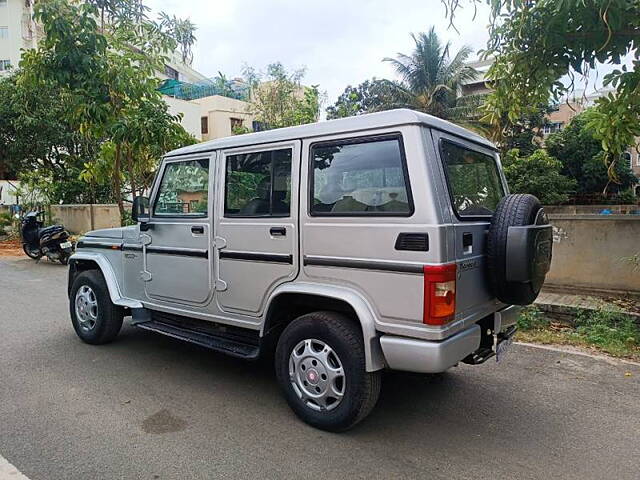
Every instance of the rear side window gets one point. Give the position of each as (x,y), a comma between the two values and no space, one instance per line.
(258,184)
(360,178)
(474,180)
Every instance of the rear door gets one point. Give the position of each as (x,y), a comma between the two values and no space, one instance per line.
(475,185)
(257,224)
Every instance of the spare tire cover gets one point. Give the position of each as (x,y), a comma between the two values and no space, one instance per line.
(519,245)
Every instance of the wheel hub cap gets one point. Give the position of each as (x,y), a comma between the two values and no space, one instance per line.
(317,375)
(86,305)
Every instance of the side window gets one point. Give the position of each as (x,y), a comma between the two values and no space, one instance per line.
(258,184)
(184,189)
(367,177)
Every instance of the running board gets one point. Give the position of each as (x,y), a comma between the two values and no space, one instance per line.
(204,339)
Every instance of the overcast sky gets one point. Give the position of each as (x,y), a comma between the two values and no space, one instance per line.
(340,42)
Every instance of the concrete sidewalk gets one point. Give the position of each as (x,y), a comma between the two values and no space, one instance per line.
(564,306)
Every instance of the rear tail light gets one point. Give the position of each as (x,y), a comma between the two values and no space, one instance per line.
(439,294)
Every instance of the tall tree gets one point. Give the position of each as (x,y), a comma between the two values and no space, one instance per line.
(431,77)
(370,96)
(103,76)
(538,174)
(182,30)
(581,154)
(278,99)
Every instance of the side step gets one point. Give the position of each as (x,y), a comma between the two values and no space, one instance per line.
(236,347)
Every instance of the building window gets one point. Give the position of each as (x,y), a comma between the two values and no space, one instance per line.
(258,184)
(3,3)
(5,65)
(171,72)
(236,123)
(638,159)
(550,128)
(4,32)
(627,156)
(204,125)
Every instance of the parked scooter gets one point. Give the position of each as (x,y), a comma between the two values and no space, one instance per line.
(51,241)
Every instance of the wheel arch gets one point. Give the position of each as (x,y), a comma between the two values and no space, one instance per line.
(82,261)
(292,300)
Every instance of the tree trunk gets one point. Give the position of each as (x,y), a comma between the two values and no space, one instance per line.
(116,181)
(132,179)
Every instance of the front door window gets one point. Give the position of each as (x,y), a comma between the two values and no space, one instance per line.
(184,190)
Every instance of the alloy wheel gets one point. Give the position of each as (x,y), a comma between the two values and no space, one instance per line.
(317,375)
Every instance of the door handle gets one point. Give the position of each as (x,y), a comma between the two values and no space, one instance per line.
(199,229)
(278,231)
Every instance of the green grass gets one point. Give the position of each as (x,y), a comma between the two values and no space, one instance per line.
(605,329)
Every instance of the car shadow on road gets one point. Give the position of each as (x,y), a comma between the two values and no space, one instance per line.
(441,409)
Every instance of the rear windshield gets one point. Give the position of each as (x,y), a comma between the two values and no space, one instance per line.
(474,180)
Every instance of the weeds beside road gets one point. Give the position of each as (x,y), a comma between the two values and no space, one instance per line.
(606,330)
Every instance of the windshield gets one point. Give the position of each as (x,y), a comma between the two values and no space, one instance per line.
(474,180)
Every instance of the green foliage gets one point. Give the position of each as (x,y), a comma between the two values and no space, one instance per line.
(525,133)
(183,32)
(88,95)
(583,158)
(277,98)
(613,331)
(538,174)
(431,77)
(537,43)
(370,96)
(531,318)
(6,220)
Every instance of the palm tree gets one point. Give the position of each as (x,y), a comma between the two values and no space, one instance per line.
(431,79)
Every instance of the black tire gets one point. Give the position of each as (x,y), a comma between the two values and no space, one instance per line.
(344,337)
(35,254)
(64,258)
(109,316)
(513,210)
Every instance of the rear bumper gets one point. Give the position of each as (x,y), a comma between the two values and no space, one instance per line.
(424,356)
(409,354)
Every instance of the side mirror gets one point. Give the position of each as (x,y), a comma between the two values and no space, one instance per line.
(140,210)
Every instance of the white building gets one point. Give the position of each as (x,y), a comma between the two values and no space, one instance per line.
(17,31)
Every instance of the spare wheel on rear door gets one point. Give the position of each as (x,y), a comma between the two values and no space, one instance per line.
(519,248)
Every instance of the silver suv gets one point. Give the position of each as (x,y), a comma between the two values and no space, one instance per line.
(342,248)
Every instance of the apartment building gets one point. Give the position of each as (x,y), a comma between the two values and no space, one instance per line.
(17,31)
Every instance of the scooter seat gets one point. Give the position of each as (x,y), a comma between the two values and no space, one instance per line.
(50,230)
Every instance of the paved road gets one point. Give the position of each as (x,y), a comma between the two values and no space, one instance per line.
(149,407)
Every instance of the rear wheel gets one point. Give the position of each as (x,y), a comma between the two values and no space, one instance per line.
(95,318)
(320,366)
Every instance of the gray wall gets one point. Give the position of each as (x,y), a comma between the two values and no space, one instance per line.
(83,218)
(592,251)
(591,209)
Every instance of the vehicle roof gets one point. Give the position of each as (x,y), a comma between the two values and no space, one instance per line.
(390,118)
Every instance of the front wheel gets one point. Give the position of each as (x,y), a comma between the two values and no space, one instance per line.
(320,366)
(95,318)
